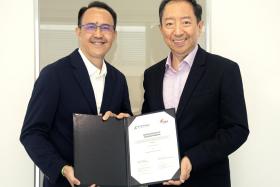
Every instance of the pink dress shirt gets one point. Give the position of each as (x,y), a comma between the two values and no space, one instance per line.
(174,81)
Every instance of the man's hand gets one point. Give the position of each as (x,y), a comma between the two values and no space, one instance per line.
(186,168)
(68,173)
(111,114)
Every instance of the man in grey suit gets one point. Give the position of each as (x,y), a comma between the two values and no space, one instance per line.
(206,91)
(82,82)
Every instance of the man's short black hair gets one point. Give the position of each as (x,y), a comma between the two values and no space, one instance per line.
(196,8)
(97,4)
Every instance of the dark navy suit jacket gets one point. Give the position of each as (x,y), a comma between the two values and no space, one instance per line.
(211,116)
(62,89)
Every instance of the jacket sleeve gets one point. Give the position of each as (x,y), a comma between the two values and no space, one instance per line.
(145,105)
(233,130)
(38,122)
(126,107)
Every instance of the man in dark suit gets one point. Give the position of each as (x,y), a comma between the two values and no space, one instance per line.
(82,82)
(206,91)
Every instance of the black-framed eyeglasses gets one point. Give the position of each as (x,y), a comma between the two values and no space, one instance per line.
(92,27)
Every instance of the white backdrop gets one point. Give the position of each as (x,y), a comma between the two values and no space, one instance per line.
(245,31)
(248,32)
(16,82)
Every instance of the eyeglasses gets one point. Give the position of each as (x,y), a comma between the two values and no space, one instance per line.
(92,27)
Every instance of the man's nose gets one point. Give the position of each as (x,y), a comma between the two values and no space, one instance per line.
(178,29)
(98,32)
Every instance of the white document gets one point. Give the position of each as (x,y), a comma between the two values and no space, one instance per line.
(153,148)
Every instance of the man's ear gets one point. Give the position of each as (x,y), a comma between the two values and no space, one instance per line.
(77,31)
(201,26)
(160,28)
(115,34)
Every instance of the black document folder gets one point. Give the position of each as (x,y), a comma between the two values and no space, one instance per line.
(101,151)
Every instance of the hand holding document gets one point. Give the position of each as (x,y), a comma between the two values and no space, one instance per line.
(128,152)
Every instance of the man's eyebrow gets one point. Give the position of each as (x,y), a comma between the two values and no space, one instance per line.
(169,18)
(172,18)
(186,17)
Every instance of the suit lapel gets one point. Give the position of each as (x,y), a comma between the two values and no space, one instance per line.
(158,83)
(82,77)
(194,77)
(108,90)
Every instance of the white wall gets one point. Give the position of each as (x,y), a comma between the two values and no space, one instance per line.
(245,31)
(16,82)
(248,32)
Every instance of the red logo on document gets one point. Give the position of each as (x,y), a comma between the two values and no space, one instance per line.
(163,121)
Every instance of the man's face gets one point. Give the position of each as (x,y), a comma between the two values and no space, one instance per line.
(179,27)
(96,42)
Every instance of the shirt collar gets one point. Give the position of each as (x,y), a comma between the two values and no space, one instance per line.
(188,59)
(92,69)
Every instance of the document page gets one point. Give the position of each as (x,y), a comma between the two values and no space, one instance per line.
(153,147)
